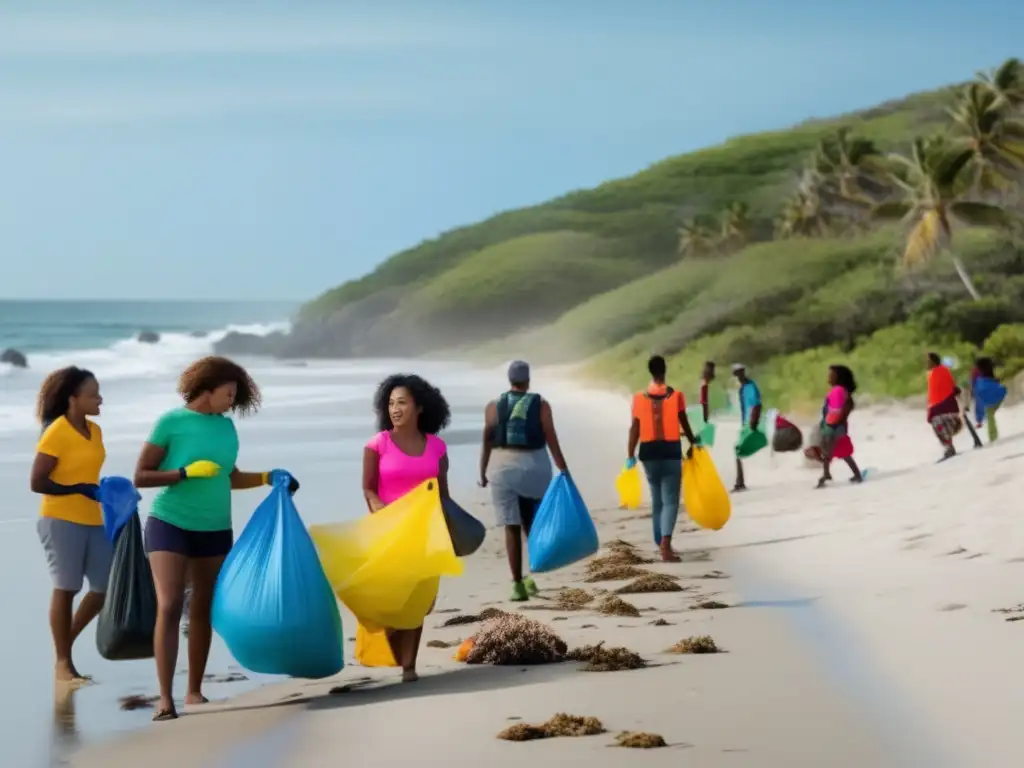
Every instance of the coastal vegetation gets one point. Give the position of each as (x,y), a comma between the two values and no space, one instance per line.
(870,239)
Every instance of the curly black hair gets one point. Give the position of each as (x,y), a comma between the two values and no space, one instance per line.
(209,373)
(57,388)
(844,378)
(435,414)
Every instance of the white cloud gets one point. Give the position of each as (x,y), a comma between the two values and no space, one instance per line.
(54,35)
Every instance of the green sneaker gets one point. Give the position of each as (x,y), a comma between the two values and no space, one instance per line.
(519,592)
(531,586)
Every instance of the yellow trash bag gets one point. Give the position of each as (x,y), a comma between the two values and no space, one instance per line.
(629,486)
(386,567)
(373,649)
(707,502)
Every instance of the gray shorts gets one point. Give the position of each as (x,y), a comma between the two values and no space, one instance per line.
(514,478)
(74,553)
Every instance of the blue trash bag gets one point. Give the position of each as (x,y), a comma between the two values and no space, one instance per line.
(272,605)
(563,532)
(119,500)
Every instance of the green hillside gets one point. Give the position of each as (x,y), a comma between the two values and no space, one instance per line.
(773,249)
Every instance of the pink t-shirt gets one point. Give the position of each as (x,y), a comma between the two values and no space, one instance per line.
(398,472)
(834,402)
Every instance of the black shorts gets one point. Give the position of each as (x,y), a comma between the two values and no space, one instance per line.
(164,537)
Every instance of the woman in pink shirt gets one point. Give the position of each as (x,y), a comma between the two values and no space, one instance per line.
(835,415)
(405,453)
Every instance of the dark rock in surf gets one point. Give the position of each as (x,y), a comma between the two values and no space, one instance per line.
(198,334)
(14,357)
(148,337)
(236,343)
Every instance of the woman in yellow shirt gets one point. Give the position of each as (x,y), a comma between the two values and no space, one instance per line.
(66,472)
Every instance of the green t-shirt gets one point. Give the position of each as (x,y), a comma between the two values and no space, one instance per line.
(202,503)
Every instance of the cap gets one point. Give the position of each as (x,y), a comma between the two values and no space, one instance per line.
(737,367)
(518,372)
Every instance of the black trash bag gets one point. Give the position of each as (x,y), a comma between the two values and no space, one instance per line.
(125,627)
(466,531)
(787,439)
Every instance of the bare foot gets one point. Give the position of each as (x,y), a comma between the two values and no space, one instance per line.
(409,676)
(65,672)
(191,699)
(162,713)
(668,556)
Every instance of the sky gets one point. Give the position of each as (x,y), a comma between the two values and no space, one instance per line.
(270,150)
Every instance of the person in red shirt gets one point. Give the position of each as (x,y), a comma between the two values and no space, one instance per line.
(943,405)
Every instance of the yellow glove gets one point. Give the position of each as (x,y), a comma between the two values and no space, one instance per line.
(201,468)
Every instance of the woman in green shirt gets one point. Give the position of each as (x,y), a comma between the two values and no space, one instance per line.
(190,455)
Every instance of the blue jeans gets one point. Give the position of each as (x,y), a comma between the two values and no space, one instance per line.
(664,476)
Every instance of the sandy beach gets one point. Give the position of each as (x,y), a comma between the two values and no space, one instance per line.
(861,630)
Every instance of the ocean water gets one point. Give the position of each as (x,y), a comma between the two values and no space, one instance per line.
(315,419)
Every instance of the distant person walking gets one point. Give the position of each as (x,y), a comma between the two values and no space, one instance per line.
(705,383)
(519,431)
(835,417)
(988,394)
(66,472)
(750,414)
(943,406)
(658,421)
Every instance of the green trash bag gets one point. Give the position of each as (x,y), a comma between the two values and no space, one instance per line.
(750,442)
(702,429)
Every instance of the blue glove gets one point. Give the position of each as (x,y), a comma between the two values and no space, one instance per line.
(283,477)
(89,490)
(630,462)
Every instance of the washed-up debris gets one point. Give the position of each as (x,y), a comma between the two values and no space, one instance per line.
(709,605)
(572,599)
(616,606)
(661,623)
(615,572)
(472,618)
(443,643)
(227,677)
(695,644)
(134,702)
(639,740)
(614,557)
(601,659)
(515,639)
(560,725)
(714,575)
(650,582)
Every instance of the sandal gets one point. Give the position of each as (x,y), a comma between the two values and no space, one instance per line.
(162,715)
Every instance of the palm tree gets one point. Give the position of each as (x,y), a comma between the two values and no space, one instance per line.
(993,139)
(1006,82)
(929,185)
(735,225)
(696,238)
(848,165)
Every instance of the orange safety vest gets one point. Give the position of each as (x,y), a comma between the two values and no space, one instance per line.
(657,410)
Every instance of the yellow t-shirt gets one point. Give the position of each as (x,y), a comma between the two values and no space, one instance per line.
(78,461)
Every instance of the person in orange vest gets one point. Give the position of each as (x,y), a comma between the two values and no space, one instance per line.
(659,417)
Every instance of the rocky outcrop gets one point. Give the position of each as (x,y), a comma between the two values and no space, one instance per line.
(14,357)
(250,344)
(148,337)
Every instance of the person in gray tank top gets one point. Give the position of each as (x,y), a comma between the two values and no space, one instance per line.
(519,431)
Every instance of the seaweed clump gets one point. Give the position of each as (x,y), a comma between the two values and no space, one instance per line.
(696,644)
(443,643)
(559,725)
(615,572)
(601,659)
(708,605)
(650,582)
(572,599)
(619,553)
(472,618)
(514,639)
(639,740)
(616,606)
